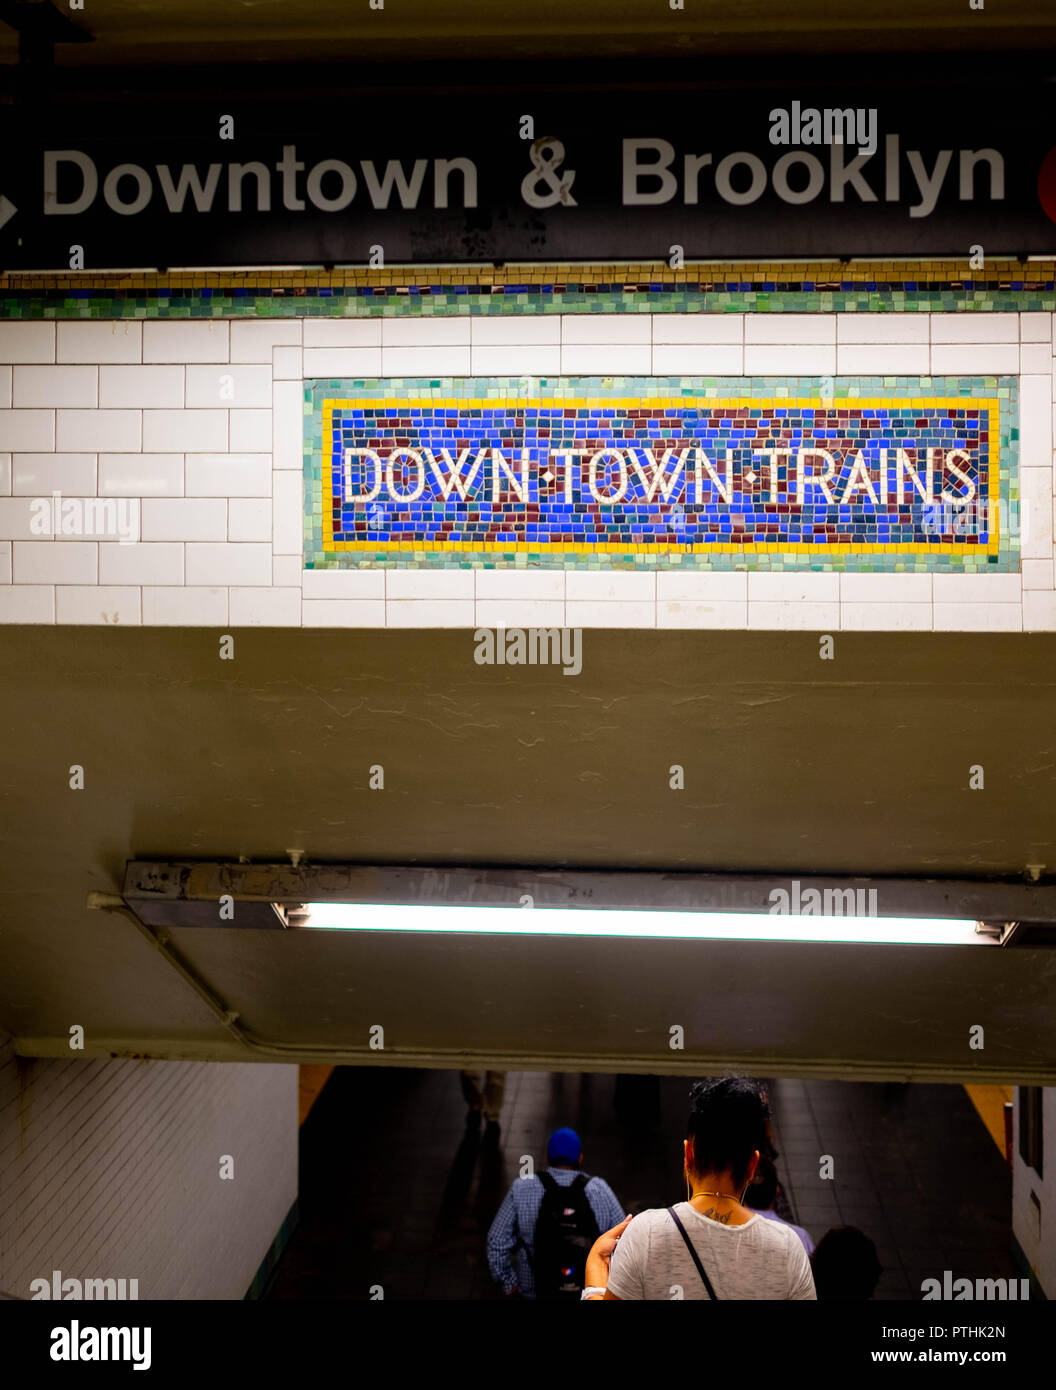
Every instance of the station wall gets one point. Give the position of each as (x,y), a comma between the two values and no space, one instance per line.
(111,1170)
(130,409)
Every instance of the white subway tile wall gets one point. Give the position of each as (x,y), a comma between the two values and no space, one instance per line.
(255,340)
(228,475)
(184,519)
(195,431)
(151,387)
(98,603)
(343,612)
(138,1203)
(287,364)
(167,606)
(159,562)
(140,475)
(698,359)
(227,563)
(268,607)
(693,613)
(286,572)
(902,329)
(503,360)
(249,519)
(784,359)
(422,584)
(238,387)
(251,430)
(340,361)
(525,612)
(16,517)
(430,612)
(193,340)
(344,584)
(39,475)
(28,342)
(56,562)
(72,386)
(198,426)
(114,340)
(345,333)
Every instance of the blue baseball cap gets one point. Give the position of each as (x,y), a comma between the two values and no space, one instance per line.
(564,1146)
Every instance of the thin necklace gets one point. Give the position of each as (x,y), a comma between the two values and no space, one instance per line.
(729,1196)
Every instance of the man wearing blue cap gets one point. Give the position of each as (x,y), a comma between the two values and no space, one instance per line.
(542,1233)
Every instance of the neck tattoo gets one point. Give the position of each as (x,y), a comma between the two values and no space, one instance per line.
(712,1212)
(723,1219)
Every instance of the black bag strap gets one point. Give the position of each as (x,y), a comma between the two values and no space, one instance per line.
(696,1258)
(551,1184)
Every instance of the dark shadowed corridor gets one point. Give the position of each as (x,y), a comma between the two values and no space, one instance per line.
(396,1192)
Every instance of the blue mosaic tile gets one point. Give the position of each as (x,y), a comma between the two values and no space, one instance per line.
(857,474)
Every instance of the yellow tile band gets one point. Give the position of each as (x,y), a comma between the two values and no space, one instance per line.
(990,405)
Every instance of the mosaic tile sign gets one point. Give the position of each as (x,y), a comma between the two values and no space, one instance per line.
(699,473)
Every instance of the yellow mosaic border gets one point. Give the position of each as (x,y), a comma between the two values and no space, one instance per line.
(823,275)
(991,406)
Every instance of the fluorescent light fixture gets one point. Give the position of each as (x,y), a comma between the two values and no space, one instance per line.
(644,925)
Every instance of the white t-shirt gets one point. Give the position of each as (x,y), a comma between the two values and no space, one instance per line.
(761,1259)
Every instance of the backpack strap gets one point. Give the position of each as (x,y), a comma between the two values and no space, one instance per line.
(696,1258)
(550,1183)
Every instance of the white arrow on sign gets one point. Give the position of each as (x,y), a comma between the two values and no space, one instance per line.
(7,210)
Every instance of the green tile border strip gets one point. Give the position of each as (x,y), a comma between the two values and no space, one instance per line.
(447,300)
(1005,388)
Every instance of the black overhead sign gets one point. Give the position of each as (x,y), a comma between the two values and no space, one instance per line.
(417,176)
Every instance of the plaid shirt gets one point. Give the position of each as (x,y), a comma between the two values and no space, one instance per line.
(512,1235)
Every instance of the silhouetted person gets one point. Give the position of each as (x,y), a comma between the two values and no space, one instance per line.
(710,1246)
(846,1265)
(762,1194)
(539,1240)
(483,1095)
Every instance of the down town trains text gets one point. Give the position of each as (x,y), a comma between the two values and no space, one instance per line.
(680,473)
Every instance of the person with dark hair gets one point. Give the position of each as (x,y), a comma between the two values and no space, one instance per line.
(846,1265)
(762,1194)
(712,1245)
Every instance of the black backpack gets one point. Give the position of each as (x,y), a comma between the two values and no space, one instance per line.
(565,1230)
